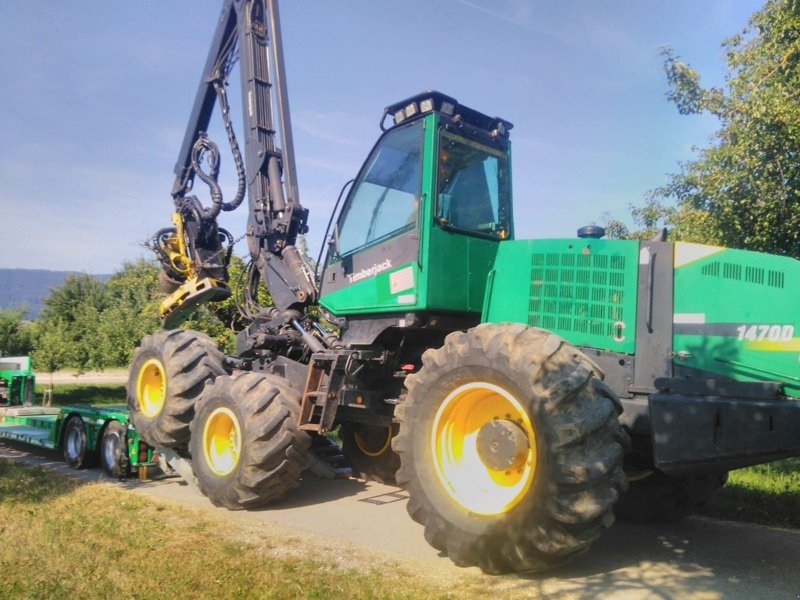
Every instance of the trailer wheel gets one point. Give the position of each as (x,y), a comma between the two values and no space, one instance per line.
(659,497)
(75,444)
(112,448)
(510,449)
(368,449)
(246,447)
(167,376)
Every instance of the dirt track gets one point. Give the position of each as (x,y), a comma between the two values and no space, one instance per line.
(697,558)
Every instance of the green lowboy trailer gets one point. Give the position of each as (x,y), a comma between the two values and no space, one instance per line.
(87,435)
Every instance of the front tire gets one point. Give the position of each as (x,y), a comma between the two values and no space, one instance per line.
(510,449)
(246,447)
(167,377)
(369,451)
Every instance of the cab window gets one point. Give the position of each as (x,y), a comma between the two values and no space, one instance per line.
(472,187)
(385,199)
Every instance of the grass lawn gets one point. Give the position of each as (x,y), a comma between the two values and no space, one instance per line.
(76,393)
(64,539)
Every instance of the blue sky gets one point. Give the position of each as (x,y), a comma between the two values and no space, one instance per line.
(94,98)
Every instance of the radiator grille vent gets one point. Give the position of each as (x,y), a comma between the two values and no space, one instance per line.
(581,293)
(746,273)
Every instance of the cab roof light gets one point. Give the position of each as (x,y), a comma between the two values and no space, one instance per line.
(499,131)
(432,101)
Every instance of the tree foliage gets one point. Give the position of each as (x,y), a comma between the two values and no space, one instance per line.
(52,350)
(131,312)
(743,190)
(89,324)
(16,336)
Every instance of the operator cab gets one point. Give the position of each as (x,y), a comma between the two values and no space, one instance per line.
(419,227)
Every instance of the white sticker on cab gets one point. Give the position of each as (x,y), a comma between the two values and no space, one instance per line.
(401,280)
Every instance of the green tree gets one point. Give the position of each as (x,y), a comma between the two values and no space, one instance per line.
(16,337)
(649,219)
(68,301)
(52,347)
(743,190)
(130,313)
(72,311)
(88,324)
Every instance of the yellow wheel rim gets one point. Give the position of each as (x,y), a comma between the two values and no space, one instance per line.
(476,485)
(222,441)
(639,475)
(374,441)
(151,387)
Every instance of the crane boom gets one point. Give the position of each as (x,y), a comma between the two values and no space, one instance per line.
(193,252)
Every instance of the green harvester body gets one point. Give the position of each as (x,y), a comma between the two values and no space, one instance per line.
(701,343)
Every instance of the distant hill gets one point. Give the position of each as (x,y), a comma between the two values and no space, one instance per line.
(27,288)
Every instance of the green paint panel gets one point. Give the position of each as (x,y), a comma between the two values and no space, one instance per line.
(736,314)
(37,430)
(458,267)
(582,290)
(391,291)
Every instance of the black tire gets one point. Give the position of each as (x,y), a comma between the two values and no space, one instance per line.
(658,497)
(262,410)
(177,364)
(113,446)
(167,284)
(368,450)
(75,445)
(567,481)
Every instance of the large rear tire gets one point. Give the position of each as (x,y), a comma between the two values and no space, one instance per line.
(369,451)
(167,377)
(510,449)
(658,497)
(246,447)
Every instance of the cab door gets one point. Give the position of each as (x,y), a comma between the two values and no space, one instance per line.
(372,265)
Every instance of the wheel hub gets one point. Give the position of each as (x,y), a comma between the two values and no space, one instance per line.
(151,385)
(222,441)
(483,446)
(502,445)
(74,443)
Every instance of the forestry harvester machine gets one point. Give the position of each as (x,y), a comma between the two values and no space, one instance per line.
(522,391)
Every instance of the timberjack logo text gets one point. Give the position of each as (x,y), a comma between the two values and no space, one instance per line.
(370,272)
